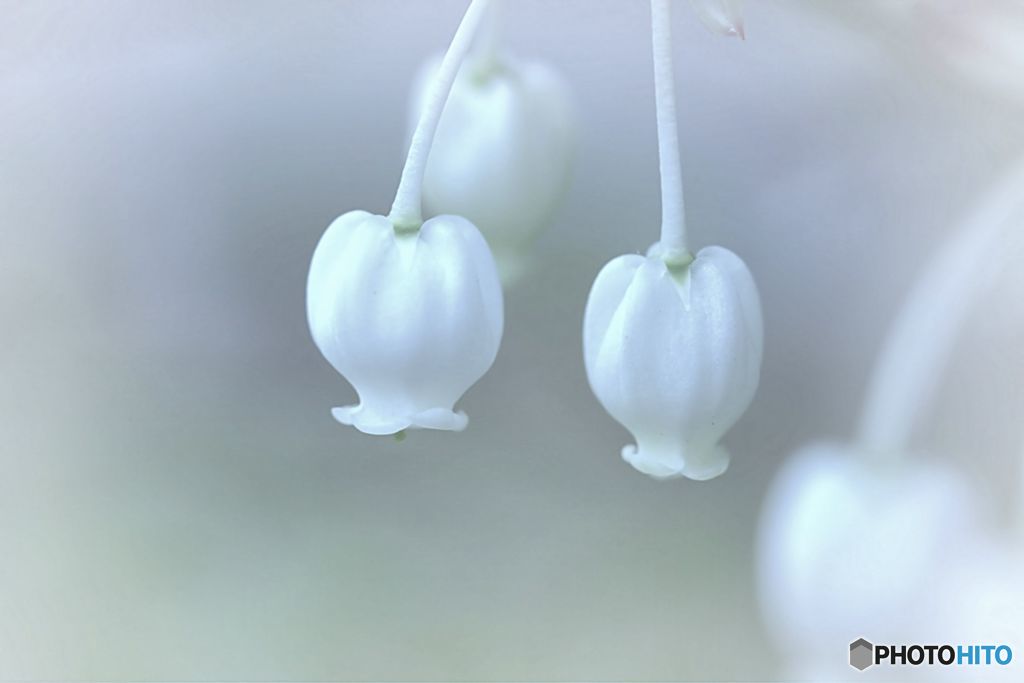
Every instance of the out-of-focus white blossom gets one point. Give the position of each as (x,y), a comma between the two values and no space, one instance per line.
(412,318)
(864,537)
(854,540)
(503,151)
(984,597)
(674,354)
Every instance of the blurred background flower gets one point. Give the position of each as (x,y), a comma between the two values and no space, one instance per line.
(176,503)
(504,149)
(862,534)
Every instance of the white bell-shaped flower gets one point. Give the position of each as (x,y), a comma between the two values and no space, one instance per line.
(503,151)
(850,539)
(412,318)
(674,354)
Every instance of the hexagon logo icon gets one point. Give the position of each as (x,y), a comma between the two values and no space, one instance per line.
(861,654)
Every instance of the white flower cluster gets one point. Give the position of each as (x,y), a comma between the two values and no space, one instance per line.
(411,313)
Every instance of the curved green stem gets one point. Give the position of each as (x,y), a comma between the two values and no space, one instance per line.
(406,211)
(673,214)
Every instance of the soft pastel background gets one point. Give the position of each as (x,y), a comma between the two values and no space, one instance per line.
(177,503)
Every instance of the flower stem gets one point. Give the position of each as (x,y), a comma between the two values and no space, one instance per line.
(919,344)
(407,211)
(673,214)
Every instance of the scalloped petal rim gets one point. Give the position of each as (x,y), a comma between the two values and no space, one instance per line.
(713,465)
(379,425)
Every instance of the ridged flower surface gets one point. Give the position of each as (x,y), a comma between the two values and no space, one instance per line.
(411,318)
(674,354)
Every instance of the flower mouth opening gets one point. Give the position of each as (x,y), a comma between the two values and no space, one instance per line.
(385,423)
(666,462)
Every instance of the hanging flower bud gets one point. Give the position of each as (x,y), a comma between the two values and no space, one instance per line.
(673,352)
(412,318)
(502,154)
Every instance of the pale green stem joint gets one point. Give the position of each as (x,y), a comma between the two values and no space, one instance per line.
(406,226)
(677,261)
